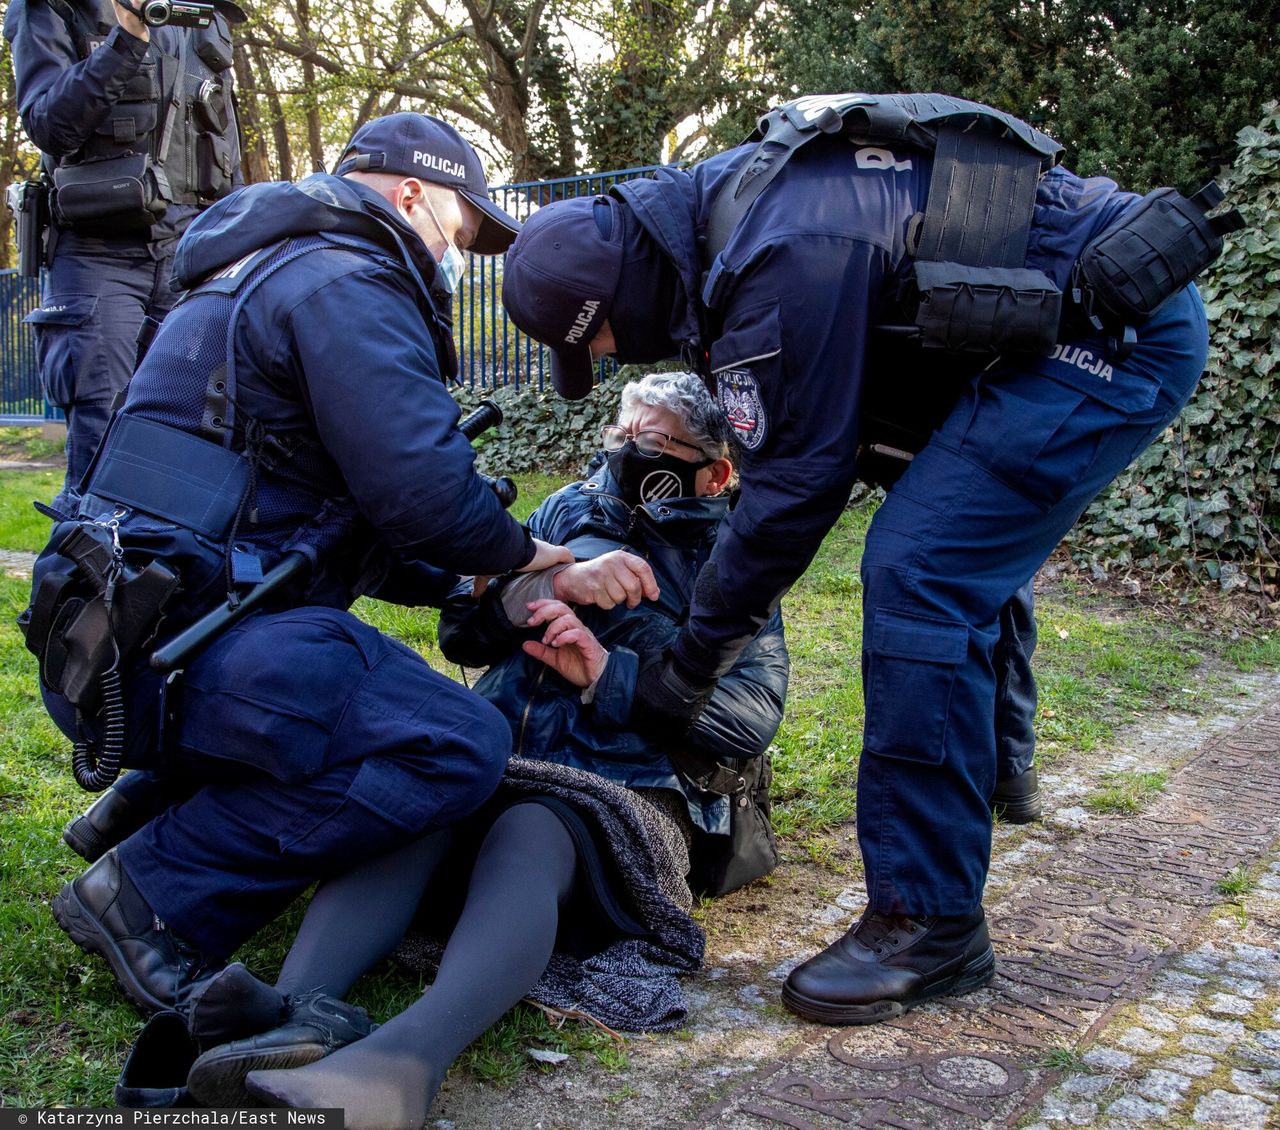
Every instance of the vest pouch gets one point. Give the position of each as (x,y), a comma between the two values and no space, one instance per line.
(213,44)
(986,309)
(128,127)
(144,86)
(107,196)
(169,473)
(1149,255)
(214,165)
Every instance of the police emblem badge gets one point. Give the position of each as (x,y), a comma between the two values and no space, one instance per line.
(739,396)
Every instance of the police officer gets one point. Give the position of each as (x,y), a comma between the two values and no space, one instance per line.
(293,403)
(783,299)
(137,132)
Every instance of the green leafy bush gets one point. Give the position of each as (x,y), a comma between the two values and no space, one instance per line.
(1205,495)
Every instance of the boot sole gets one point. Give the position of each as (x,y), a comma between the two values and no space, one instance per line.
(1019,810)
(84,839)
(972,976)
(83,929)
(217,1078)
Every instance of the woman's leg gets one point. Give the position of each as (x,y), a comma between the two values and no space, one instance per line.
(498,950)
(356,919)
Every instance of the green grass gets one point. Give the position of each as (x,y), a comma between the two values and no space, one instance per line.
(1127,792)
(1239,882)
(1062,1058)
(22,526)
(64,1028)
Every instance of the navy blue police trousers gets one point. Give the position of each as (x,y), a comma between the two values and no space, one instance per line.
(86,335)
(1027,447)
(317,742)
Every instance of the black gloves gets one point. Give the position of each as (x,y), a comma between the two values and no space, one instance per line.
(668,698)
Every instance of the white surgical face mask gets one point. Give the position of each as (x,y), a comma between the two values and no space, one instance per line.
(451,265)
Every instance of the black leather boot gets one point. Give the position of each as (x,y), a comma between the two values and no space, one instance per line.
(155,1074)
(1017,800)
(886,964)
(104,913)
(314,1025)
(111,818)
(231,1004)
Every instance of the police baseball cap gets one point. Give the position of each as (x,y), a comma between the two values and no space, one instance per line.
(418,145)
(559,281)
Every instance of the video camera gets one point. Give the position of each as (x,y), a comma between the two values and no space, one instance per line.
(178,13)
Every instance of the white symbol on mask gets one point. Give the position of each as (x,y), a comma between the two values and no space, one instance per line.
(658,485)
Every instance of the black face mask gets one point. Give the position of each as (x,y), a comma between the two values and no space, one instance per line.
(648,478)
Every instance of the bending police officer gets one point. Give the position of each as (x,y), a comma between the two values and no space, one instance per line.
(780,286)
(293,402)
(137,133)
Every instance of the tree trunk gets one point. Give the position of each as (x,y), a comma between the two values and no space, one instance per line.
(279,127)
(255,162)
(315,143)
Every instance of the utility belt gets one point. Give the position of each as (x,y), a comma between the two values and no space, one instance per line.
(146,555)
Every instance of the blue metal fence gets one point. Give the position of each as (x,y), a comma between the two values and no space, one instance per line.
(21,397)
(491,351)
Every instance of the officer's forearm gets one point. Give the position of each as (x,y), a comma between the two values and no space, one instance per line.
(64,116)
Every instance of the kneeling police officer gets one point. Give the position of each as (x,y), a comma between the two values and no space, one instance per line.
(858,249)
(292,408)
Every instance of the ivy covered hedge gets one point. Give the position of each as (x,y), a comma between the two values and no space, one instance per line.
(1205,496)
(541,432)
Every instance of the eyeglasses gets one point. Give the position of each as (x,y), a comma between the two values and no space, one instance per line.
(648,442)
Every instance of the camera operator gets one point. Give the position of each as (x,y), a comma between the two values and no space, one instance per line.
(137,134)
(294,402)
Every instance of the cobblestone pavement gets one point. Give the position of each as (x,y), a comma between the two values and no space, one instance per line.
(1138,984)
(1202,1048)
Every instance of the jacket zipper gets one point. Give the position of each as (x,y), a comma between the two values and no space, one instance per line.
(524,716)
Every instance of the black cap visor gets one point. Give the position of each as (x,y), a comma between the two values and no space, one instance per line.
(573,373)
(497,230)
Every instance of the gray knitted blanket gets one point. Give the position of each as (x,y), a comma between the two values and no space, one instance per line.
(631,985)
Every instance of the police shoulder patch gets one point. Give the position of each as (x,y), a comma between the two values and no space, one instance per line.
(739,396)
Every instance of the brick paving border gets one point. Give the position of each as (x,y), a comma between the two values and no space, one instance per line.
(1104,927)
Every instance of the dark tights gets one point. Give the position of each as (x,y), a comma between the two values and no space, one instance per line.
(499,948)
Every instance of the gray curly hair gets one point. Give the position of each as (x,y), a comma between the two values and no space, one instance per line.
(686,396)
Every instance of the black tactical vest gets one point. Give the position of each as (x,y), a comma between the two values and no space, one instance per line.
(176,110)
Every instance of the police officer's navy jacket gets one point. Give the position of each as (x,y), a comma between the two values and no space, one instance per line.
(785,313)
(87,90)
(338,394)
(548,718)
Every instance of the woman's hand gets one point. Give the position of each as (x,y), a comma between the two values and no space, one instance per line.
(567,645)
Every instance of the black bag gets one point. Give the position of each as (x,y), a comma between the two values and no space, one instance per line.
(108,196)
(720,864)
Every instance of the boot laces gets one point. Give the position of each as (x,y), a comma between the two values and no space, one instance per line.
(877,930)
